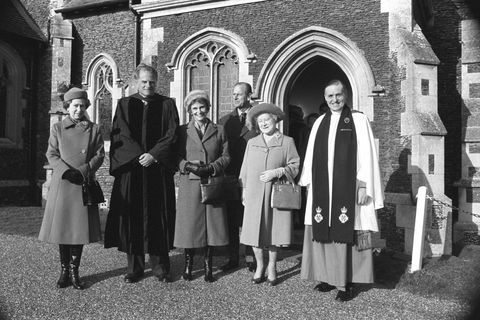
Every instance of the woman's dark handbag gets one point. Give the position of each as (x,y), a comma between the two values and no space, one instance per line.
(220,189)
(91,191)
(286,195)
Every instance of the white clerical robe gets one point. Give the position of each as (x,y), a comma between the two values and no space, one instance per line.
(368,170)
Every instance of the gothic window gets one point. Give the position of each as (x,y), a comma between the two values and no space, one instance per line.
(213,67)
(104,87)
(102,99)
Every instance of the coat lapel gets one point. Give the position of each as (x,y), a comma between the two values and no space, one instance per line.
(245,129)
(277,140)
(211,130)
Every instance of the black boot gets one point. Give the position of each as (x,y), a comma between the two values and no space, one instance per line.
(187,272)
(75,256)
(64,280)
(208,266)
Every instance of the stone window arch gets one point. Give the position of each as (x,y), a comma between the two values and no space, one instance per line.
(12,103)
(295,51)
(104,90)
(212,60)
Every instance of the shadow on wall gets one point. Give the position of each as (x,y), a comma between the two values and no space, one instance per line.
(406,180)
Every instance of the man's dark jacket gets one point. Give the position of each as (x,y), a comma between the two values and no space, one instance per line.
(237,136)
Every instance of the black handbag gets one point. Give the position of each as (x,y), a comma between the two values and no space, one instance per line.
(91,191)
(286,194)
(220,189)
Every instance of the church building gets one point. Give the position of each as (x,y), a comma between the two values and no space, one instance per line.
(411,66)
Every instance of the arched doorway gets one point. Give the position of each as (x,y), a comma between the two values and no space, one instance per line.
(306,86)
(12,84)
(304,52)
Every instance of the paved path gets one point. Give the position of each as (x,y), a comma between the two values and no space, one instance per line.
(29,269)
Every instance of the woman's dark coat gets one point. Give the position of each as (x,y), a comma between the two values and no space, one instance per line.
(142,208)
(197,224)
(66,220)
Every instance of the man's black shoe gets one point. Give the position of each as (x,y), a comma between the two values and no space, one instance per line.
(132,277)
(324,287)
(165,277)
(230,265)
(344,296)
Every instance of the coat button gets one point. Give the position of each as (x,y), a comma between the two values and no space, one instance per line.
(83,150)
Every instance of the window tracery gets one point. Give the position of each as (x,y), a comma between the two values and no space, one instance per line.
(213,67)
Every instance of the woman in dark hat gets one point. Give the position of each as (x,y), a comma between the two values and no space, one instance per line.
(268,156)
(75,150)
(203,152)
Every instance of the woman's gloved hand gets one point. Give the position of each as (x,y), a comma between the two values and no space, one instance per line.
(73,176)
(191,167)
(205,170)
(269,175)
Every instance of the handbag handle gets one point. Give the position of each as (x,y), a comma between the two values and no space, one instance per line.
(289,176)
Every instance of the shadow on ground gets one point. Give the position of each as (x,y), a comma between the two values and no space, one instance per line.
(448,278)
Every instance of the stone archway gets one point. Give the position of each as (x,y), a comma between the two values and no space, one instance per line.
(299,49)
(305,88)
(12,82)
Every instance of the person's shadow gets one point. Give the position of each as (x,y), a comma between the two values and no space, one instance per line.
(406,179)
(176,262)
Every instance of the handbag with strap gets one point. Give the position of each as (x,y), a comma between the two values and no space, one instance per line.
(286,195)
(220,189)
(91,191)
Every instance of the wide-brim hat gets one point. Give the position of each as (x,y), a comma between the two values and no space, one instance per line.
(75,93)
(264,108)
(193,95)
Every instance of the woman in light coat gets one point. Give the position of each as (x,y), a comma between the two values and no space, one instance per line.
(75,150)
(203,152)
(268,156)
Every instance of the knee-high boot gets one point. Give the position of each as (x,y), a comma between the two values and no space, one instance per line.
(75,256)
(187,272)
(64,280)
(208,266)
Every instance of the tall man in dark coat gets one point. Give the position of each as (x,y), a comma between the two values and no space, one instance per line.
(142,208)
(237,135)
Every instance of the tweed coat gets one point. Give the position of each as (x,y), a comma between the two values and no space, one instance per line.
(66,220)
(262,224)
(198,225)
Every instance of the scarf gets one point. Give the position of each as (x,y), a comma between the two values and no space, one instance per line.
(340,227)
(83,123)
(201,127)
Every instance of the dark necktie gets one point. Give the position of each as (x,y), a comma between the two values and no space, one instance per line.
(243,116)
(144,124)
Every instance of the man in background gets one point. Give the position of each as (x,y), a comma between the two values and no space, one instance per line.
(238,134)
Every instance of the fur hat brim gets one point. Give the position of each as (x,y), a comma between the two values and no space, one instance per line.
(264,108)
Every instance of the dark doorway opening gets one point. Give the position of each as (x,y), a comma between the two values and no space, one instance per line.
(308,84)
